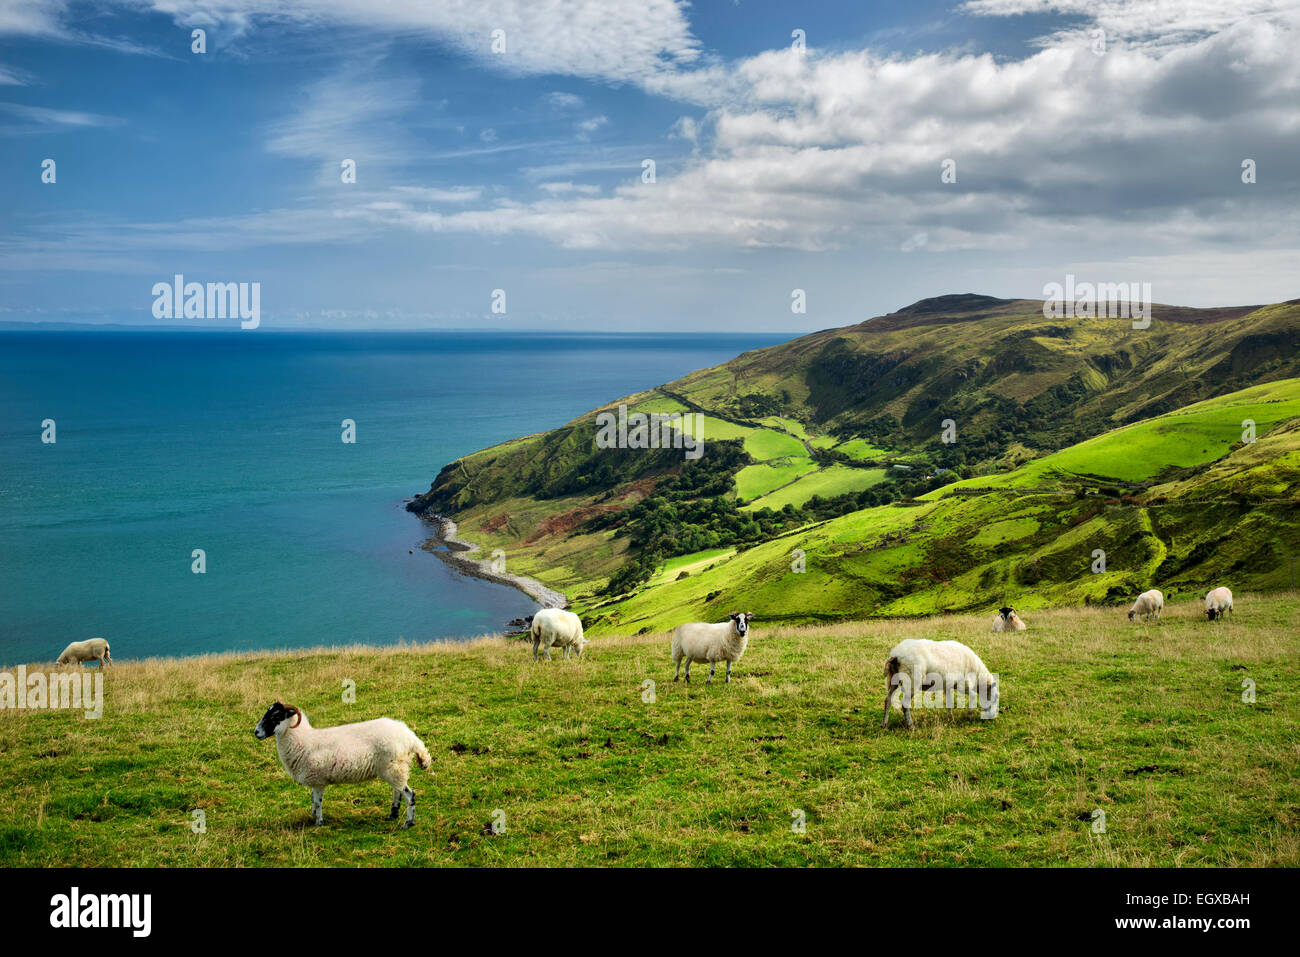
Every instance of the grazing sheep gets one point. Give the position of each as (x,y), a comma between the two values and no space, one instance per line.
(712,642)
(1007,620)
(1217,602)
(1148,603)
(92,649)
(922,663)
(345,754)
(556,627)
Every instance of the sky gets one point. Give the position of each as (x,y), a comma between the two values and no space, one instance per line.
(501,145)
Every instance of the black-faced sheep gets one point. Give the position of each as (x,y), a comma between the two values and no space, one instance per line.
(712,642)
(1007,620)
(1217,602)
(345,754)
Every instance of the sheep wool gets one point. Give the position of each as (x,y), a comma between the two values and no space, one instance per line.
(1217,602)
(919,663)
(1149,604)
(92,649)
(554,627)
(711,642)
(345,754)
(1007,620)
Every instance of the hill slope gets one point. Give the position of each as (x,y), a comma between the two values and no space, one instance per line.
(1144,723)
(1060,426)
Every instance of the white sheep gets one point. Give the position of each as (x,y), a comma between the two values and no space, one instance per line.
(554,627)
(1007,620)
(1217,602)
(924,664)
(1148,603)
(345,754)
(92,649)
(712,642)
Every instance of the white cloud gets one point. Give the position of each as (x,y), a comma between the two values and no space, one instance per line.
(42,118)
(557,189)
(618,40)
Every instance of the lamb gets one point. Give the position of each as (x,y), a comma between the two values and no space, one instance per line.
(712,642)
(1217,602)
(558,628)
(1148,603)
(1007,620)
(92,649)
(345,754)
(922,663)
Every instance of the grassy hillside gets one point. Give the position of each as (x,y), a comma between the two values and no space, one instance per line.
(1144,723)
(1028,536)
(1090,432)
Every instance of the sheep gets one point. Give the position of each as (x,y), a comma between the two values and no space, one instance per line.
(1148,603)
(92,649)
(559,628)
(1007,620)
(712,642)
(922,663)
(1217,602)
(345,754)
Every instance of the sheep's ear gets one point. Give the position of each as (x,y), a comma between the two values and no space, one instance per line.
(749,616)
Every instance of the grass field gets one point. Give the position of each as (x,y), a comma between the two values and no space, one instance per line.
(828,482)
(755,480)
(1143,723)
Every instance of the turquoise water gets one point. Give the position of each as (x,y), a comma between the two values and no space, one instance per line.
(230,442)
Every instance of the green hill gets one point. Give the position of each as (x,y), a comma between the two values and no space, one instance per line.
(585,763)
(1071,436)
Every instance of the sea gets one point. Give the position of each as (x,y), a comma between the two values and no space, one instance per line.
(168,444)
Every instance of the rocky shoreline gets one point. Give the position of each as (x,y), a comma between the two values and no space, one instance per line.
(457,553)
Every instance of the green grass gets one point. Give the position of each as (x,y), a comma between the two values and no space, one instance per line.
(692,563)
(755,480)
(764,444)
(830,481)
(1192,436)
(862,450)
(1145,723)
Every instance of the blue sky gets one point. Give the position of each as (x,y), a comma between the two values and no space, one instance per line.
(776,169)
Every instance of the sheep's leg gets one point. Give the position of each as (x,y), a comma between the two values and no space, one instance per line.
(317,798)
(905,699)
(728,672)
(566,652)
(397,803)
(712,665)
(678,670)
(536,643)
(889,693)
(410,807)
(688,670)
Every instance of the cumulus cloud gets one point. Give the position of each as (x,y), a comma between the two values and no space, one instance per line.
(820,151)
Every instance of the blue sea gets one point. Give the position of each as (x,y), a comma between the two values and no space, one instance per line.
(230,442)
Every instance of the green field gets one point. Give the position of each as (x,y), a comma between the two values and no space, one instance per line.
(764,444)
(755,480)
(830,481)
(1145,724)
(691,564)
